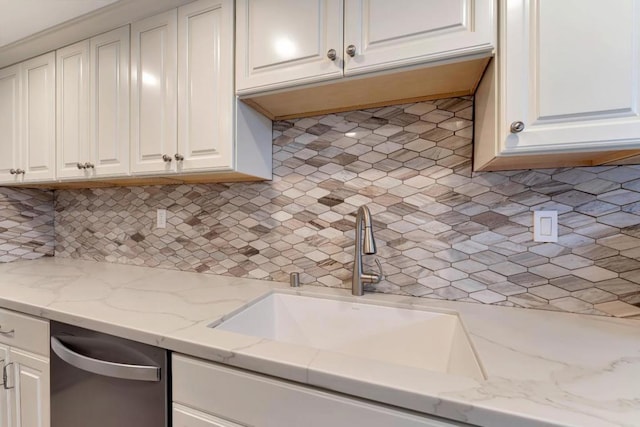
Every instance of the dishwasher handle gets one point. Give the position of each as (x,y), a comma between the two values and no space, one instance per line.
(103,367)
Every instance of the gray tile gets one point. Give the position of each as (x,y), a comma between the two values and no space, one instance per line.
(597,186)
(528,280)
(571,283)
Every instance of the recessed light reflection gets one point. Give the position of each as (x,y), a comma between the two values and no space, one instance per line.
(150,80)
(285,48)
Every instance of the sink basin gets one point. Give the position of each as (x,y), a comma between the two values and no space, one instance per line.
(414,338)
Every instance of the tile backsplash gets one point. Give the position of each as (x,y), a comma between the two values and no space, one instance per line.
(442,231)
(26,224)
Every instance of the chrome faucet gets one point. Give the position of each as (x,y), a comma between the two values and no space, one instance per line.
(359,278)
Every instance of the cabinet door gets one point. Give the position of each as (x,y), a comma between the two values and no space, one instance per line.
(187,417)
(109,122)
(570,73)
(387,34)
(6,411)
(154,93)
(9,123)
(285,42)
(38,139)
(30,395)
(205,85)
(72,90)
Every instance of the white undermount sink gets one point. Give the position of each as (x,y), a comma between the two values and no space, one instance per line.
(416,338)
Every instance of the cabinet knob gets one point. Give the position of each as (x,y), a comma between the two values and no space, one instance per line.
(18,171)
(332,54)
(351,50)
(89,165)
(179,157)
(517,127)
(13,171)
(81,165)
(167,158)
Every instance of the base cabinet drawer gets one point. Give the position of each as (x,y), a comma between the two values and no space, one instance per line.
(187,417)
(255,400)
(25,332)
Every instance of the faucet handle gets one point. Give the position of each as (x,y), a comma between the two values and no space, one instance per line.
(373,278)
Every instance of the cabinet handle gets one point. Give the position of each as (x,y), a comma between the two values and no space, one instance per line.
(332,54)
(89,165)
(166,158)
(4,377)
(80,165)
(351,50)
(517,127)
(179,157)
(7,333)
(16,172)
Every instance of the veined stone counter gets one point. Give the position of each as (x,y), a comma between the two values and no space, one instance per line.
(542,368)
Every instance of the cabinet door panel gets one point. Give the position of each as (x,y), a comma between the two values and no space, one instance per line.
(110,102)
(205,88)
(392,34)
(571,75)
(38,118)
(285,42)
(154,92)
(72,89)
(6,411)
(31,392)
(9,123)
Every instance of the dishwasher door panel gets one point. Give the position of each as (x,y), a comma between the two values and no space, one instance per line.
(97,393)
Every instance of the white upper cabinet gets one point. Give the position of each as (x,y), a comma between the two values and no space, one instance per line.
(285,42)
(10,124)
(72,94)
(382,34)
(154,93)
(38,118)
(93,107)
(566,82)
(185,116)
(109,103)
(205,86)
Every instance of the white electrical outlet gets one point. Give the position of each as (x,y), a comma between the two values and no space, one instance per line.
(161,218)
(545,226)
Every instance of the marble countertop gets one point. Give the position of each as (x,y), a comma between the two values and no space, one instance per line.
(543,368)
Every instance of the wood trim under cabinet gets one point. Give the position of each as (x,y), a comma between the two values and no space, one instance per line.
(357,93)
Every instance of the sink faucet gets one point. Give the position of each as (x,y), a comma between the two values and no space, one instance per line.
(359,278)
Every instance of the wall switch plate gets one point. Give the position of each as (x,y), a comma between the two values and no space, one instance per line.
(545,226)
(161,218)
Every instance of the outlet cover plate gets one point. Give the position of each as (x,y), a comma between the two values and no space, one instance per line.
(545,226)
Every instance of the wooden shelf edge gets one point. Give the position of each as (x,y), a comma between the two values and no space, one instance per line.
(129,181)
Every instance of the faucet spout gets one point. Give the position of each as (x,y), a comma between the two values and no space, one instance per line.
(364,245)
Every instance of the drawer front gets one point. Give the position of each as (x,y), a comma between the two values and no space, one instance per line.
(187,417)
(25,332)
(255,400)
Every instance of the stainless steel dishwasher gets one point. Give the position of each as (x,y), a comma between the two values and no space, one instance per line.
(99,380)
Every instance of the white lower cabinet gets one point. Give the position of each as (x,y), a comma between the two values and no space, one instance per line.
(206,394)
(29,397)
(24,362)
(5,412)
